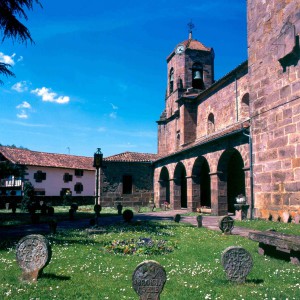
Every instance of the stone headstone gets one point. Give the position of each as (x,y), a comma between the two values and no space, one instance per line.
(237,263)
(297,219)
(177,218)
(226,224)
(33,253)
(199,221)
(285,217)
(148,280)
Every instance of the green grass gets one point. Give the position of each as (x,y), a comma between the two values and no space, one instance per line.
(81,269)
(289,228)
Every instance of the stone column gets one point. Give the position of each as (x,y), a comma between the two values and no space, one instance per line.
(190,199)
(175,194)
(218,189)
(196,189)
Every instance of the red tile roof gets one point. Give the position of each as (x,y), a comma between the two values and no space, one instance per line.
(195,45)
(43,159)
(132,157)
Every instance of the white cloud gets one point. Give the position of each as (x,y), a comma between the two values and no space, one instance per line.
(23,114)
(113,115)
(24,104)
(20,58)
(114,106)
(48,96)
(20,86)
(7,59)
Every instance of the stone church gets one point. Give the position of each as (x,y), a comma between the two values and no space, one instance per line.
(240,135)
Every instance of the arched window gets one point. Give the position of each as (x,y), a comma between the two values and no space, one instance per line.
(245,108)
(171,81)
(210,123)
(197,82)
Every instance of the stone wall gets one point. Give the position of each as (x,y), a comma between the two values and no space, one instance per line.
(274,70)
(112,183)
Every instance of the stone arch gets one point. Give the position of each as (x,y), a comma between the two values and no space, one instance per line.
(197,76)
(231,180)
(210,123)
(164,186)
(180,186)
(201,193)
(245,106)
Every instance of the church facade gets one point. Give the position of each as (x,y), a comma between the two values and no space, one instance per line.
(238,136)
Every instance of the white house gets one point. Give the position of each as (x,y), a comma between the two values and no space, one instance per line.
(50,174)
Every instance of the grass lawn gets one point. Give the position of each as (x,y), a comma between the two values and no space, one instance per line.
(82,269)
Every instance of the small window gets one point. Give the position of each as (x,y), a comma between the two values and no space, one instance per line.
(127,184)
(39,176)
(210,123)
(78,188)
(78,173)
(67,177)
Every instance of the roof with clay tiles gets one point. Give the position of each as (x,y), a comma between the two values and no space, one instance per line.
(132,157)
(194,45)
(43,159)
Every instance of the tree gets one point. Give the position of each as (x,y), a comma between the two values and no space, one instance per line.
(11,27)
(28,195)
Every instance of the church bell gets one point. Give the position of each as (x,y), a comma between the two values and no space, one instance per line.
(197,75)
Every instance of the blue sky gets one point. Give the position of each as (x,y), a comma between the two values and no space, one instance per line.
(96,75)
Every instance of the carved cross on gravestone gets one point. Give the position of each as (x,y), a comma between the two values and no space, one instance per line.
(33,253)
(148,280)
(237,263)
(226,224)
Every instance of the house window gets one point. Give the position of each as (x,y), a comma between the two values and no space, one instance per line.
(39,176)
(67,177)
(127,184)
(78,173)
(78,188)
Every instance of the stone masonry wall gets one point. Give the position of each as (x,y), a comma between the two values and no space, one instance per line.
(112,183)
(274,71)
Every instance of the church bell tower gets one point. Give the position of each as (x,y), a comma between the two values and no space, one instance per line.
(190,70)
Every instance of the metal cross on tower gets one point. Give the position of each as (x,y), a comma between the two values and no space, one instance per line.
(190,28)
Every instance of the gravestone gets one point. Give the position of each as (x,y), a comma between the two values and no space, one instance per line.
(33,253)
(199,221)
(177,218)
(237,263)
(285,217)
(226,224)
(148,280)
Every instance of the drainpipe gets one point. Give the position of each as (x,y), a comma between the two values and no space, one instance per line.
(251,175)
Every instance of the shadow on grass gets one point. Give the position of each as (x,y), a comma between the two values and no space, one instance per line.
(254,281)
(54,276)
